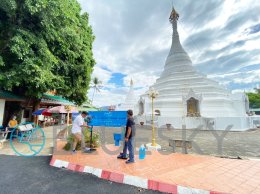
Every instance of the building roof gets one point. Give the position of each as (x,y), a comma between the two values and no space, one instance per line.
(52,99)
(108,108)
(8,96)
(87,107)
(46,98)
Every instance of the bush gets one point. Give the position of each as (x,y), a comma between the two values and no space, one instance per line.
(95,140)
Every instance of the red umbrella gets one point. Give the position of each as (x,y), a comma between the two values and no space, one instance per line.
(46,113)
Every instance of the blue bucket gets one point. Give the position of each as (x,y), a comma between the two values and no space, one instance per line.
(117,138)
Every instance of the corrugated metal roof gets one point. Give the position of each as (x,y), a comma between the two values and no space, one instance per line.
(51,99)
(10,96)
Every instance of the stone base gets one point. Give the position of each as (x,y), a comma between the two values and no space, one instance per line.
(151,148)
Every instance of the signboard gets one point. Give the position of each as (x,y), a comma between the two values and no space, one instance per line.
(108,118)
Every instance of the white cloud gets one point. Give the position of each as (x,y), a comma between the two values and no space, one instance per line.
(243,90)
(141,79)
(106,97)
(134,38)
(102,74)
(252,77)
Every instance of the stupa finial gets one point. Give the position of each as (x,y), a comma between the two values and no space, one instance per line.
(176,45)
(174,15)
(131,82)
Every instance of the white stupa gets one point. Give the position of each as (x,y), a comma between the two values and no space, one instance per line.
(188,97)
(130,100)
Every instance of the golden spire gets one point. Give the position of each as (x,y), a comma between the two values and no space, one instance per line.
(174,15)
(131,82)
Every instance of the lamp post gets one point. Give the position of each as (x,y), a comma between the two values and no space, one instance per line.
(152,93)
(68,109)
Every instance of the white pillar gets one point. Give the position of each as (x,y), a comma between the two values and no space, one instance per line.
(2,110)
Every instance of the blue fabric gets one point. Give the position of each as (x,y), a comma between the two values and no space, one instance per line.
(130,147)
(38,112)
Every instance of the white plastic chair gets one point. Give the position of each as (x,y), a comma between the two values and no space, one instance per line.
(25,133)
(29,126)
(32,130)
(3,137)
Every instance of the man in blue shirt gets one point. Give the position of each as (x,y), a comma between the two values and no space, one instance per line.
(129,138)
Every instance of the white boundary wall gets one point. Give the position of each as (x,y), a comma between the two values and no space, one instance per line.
(218,123)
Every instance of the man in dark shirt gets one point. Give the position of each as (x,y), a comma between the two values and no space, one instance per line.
(129,138)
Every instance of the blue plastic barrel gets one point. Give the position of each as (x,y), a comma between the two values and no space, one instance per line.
(117,138)
(142,152)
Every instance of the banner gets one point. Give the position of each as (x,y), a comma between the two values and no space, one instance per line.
(108,118)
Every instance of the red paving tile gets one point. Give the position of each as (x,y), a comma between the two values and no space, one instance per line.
(167,171)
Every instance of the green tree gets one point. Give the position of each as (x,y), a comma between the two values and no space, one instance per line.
(254,99)
(96,85)
(45,45)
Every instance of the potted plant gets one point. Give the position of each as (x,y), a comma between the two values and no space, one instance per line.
(95,140)
(142,123)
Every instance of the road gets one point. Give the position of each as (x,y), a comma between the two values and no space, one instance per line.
(20,175)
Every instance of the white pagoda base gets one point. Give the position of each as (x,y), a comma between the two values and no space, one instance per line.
(153,148)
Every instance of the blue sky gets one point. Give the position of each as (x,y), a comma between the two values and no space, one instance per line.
(117,79)
(133,39)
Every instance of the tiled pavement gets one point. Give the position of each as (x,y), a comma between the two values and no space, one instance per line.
(24,148)
(174,173)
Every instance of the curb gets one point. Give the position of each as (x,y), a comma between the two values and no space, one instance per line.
(130,180)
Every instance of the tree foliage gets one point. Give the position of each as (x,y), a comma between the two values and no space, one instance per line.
(45,45)
(254,99)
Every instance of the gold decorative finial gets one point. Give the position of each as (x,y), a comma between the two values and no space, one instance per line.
(174,15)
(131,82)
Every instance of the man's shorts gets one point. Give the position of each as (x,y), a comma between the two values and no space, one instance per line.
(77,135)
